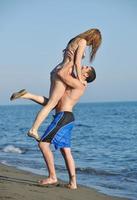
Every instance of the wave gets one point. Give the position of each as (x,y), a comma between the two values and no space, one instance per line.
(96,172)
(89,170)
(12,149)
(4,162)
(84,125)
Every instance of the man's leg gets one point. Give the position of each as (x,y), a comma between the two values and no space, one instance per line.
(49,159)
(70,164)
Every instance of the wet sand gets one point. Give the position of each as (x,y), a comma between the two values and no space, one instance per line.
(21,185)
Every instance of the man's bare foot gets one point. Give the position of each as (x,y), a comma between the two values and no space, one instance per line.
(72,186)
(48,181)
(18,95)
(34,134)
(72,183)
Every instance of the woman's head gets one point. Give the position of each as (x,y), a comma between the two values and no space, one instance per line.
(93,38)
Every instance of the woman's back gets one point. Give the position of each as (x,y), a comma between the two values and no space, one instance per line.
(69,54)
(71,48)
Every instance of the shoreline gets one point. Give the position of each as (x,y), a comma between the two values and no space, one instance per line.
(19,184)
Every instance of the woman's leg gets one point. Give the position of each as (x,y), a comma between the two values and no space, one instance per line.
(56,94)
(70,164)
(27,95)
(57,90)
(42,100)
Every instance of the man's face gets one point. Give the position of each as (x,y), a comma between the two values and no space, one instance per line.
(85,70)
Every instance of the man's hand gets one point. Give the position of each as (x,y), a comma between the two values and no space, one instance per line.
(83,82)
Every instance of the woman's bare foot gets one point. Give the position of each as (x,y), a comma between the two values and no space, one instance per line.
(48,181)
(18,95)
(34,134)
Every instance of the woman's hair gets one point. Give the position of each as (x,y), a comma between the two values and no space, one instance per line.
(93,38)
(91,75)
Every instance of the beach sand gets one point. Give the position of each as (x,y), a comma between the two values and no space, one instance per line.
(21,185)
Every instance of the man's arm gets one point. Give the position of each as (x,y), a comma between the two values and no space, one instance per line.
(70,80)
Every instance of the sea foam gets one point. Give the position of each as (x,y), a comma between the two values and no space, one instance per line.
(12,149)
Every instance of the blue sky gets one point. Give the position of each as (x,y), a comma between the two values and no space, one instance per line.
(34,33)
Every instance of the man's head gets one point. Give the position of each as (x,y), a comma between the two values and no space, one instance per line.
(88,73)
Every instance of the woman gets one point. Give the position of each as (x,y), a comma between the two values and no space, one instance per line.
(72,58)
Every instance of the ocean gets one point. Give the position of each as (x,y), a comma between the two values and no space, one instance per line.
(104,145)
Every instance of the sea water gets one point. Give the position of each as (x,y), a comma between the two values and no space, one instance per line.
(104,145)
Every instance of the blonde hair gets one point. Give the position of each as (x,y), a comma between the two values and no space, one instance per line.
(93,38)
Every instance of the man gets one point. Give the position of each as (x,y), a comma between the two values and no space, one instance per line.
(59,131)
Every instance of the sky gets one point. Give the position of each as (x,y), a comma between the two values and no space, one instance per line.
(33,34)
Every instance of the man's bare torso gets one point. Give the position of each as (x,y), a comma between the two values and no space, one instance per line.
(69,99)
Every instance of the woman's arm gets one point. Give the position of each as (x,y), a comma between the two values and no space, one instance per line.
(78,58)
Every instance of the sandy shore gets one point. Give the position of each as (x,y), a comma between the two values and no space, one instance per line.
(22,185)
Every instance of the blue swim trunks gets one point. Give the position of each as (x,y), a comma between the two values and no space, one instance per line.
(59,131)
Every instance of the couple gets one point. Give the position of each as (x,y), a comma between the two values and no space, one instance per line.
(68,83)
